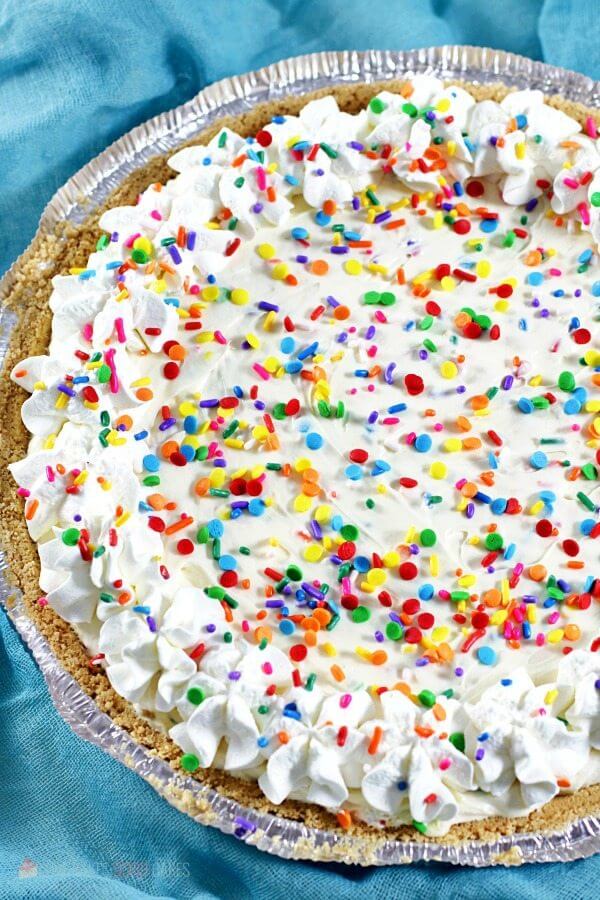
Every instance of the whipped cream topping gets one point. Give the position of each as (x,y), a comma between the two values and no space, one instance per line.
(313,458)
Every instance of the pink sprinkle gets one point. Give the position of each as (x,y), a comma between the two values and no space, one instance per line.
(540,640)
(345,700)
(438,426)
(518,569)
(346,585)
(390,420)
(267,668)
(156,215)
(571,183)
(411,438)
(220,337)
(261,179)
(584,212)
(460,484)
(445,763)
(130,240)
(212,449)
(114,378)
(50,473)
(246,625)
(555,272)
(260,370)
(518,615)
(42,601)
(23,492)
(553,617)
(119,328)
(87,331)
(590,127)
(380,316)
(195,289)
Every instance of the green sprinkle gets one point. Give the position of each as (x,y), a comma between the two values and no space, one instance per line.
(263,710)
(99,551)
(228,637)
(331,153)
(195,695)
(420,826)
(106,598)
(294,572)
(245,551)
(151,480)
(566,381)
(361,614)
(429,345)
(70,537)
(369,503)
(349,532)
(586,501)
(103,374)
(409,109)
(394,631)
(231,428)
(372,197)
(140,256)
(377,105)
(457,738)
(457,596)
(310,681)
(239,182)
(428,537)
(494,541)
(427,698)
(590,471)
(332,622)
(222,139)
(201,453)
(102,437)
(103,241)
(189,762)
(218,492)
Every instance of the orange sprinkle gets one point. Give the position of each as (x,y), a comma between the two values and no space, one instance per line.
(179,525)
(31,510)
(341,312)
(202,486)
(338,673)
(344,819)
(379,657)
(283,737)
(563,783)
(463,423)
(439,712)
(125,421)
(375,740)
(537,572)
(423,731)
(479,401)
(572,632)
(319,267)
(263,632)
(168,448)
(329,207)
(144,394)
(310,638)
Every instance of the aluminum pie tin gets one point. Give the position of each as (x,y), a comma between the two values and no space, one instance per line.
(74,202)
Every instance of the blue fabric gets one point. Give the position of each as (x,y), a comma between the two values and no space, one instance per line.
(74,75)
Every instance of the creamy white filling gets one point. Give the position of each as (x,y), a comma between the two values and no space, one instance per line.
(524,719)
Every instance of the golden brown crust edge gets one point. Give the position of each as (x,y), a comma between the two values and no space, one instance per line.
(68,246)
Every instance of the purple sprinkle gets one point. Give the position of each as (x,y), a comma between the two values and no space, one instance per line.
(259,404)
(422,661)
(597,684)
(274,604)
(174,254)
(191,240)
(167,423)
(356,203)
(220,463)
(470,510)
(388,375)
(338,250)
(370,333)
(355,145)
(257,208)
(234,676)
(459,671)
(382,217)
(480,754)
(423,354)
(114,237)
(507,382)
(239,504)
(268,307)
(373,417)
(208,404)
(378,636)
(316,530)
(211,628)
(66,390)
(301,258)
(151,624)
(312,591)
(318,172)
(332,301)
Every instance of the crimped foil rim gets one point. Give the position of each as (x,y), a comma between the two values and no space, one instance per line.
(73,202)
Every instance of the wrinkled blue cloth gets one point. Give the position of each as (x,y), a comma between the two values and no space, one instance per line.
(73,77)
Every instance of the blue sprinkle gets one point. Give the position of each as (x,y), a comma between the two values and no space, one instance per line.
(423,443)
(228,563)
(216,528)
(314,441)
(538,460)
(151,463)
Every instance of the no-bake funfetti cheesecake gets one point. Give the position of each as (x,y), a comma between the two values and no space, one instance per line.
(313,472)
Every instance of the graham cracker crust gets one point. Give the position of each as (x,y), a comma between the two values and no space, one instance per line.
(67,246)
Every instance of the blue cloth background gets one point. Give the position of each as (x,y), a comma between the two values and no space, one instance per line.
(75,75)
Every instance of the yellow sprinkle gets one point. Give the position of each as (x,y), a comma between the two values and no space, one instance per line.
(81,478)
(499,617)
(551,697)
(520,149)
(302,463)
(49,442)
(536,508)
(452,445)
(270,319)
(323,514)
(448,369)
(505,590)
(556,635)
(279,271)
(239,296)
(376,577)
(367,588)
(438,470)
(266,251)
(353,267)
(362,652)
(313,552)
(329,649)
(302,503)
(438,220)
(122,519)
(440,633)
(467,580)
(217,477)
(235,443)
(434,564)
(253,341)
(159,286)
(448,283)
(483,268)
(391,559)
